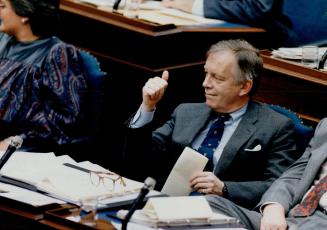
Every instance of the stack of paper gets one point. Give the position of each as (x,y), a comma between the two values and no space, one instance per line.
(153,11)
(294,53)
(48,174)
(177,211)
(176,17)
(147,5)
(26,196)
(109,3)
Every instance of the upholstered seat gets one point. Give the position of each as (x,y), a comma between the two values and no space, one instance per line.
(95,93)
(303,133)
(83,143)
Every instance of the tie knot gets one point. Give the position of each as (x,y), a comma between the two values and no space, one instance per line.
(224,116)
(219,122)
(220,116)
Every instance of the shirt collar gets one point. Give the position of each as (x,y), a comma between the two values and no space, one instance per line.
(239,113)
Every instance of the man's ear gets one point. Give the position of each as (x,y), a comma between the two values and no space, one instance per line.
(246,87)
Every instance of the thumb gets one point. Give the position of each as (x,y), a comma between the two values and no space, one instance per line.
(165,75)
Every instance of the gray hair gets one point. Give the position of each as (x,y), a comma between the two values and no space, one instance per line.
(248,60)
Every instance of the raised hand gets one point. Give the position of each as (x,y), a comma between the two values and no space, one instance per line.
(153,91)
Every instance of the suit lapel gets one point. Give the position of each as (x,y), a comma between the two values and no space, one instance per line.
(194,123)
(243,132)
(317,156)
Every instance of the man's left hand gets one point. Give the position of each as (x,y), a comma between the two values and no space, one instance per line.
(207,183)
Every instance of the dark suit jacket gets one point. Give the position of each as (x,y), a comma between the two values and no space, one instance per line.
(247,174)
(267,14)
(290,188)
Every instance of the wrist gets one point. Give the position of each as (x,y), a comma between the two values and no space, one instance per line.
(272,207)
(147,108)
(225,191)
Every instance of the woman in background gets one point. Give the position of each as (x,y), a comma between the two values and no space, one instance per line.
(41,80)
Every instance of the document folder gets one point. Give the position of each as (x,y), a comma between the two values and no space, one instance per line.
(47,173)
(178,211)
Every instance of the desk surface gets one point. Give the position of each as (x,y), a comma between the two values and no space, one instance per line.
(65,218)
(294,69)
(142,44)
(146,27)
(294,86)
(16,218)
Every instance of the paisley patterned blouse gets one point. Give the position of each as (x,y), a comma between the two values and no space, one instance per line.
(40,89)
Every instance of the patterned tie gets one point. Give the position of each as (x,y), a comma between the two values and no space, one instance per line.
(212,140)
(311,201)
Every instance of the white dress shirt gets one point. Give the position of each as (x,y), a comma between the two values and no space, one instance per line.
(230,127)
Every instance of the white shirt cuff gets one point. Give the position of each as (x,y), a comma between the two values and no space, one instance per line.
(197,8)
(141,118)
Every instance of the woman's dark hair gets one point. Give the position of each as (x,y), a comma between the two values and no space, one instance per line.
(42,15)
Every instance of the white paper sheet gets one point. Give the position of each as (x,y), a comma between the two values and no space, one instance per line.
(26,196)
(189,162)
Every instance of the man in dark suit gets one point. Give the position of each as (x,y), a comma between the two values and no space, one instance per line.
(267,14)
(257,143)
(279,205)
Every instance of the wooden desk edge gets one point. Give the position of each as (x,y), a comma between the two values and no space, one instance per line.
(116,19)
(25,214)
(144,27)
(293,69)
(222,29)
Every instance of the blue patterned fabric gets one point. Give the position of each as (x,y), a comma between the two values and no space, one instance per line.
(40,89)
(213,137)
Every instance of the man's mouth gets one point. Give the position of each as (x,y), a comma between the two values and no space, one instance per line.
(209,95)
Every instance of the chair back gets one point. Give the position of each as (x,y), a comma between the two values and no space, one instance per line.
(309,19)
(94,94)
(303,133)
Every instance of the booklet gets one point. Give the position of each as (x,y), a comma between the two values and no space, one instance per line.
(177,211)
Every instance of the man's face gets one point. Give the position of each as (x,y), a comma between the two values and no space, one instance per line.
(10,22)
(222,92)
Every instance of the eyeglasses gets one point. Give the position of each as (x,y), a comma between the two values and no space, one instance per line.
(108,179)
